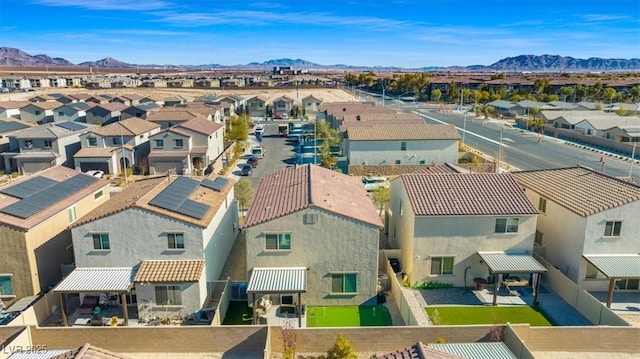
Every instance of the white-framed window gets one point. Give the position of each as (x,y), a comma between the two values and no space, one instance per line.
(28,143)
(538,239)
(344,282)
(6,285)
(310,218)
(612,228)
(441,265)
(278,241)
(175,240)
(542,205)
(101,241)
(92,141)
(506,225)
(71,214)
(593,272)
(168,295)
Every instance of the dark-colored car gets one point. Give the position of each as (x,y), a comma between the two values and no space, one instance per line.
(246,169)
(253,161)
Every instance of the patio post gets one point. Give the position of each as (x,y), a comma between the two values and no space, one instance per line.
(64,309)
(125,311)
(537,279)
(253,308)
(612,285)
(496,288)
(299,311)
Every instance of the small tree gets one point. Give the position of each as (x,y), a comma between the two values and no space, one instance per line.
(381,195)
(243,191)
(342,349)
(326,158)
(289,338)
(436,95)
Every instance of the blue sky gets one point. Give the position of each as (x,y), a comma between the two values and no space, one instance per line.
(367,33)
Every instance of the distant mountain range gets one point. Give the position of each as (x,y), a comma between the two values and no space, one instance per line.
(535,63)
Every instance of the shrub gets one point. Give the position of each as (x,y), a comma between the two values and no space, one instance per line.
(15,174)
(342,349)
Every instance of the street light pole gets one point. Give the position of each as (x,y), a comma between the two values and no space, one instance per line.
(499,150)
(633,157)
(464,127)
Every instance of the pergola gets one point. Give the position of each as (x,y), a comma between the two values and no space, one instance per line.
(512,263)
(614,267)
(97,280)
(278,280)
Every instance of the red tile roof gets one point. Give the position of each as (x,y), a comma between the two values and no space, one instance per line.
(201,125)
(293,189)
(169,271)
(465,194)
(130,127)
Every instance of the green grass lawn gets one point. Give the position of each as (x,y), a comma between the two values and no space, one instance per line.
(348,316)
(237,314)
(488,315)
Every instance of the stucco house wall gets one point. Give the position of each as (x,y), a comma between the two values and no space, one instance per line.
(388,152)
(333,244)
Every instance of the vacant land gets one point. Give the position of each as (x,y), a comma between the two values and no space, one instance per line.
(470,315)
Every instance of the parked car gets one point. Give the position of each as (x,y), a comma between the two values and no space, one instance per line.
(95,173)
(253,161)
(257,151)
(373,183)
(246,169)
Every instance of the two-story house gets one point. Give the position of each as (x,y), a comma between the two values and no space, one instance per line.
(170,116)
(39,112)
(311,106)
(7,128)
(139,110)
(191,147)
(588,225)
(444,223)
(257,106)
(73,111)
(402,144)
(102,147)
(106,113)
(11,108)
(283,105)
(318,226)
(35,213)
(39,147)
(174,232)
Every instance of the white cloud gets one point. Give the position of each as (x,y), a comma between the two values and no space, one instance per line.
(143,5)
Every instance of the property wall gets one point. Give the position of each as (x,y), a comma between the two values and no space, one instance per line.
(219,237)
(15,261)
(17,339)
(135,235)
(334,244)
(582,339)
(401,224)
(387,152)
(462,237)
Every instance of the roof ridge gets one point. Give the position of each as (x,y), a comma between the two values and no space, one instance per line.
(309,186)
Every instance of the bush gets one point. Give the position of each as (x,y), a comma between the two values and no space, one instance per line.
(432,285)
(342,349)
(15,174)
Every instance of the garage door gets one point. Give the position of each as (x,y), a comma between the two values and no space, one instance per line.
(33,167)
(88,166)
(162,167)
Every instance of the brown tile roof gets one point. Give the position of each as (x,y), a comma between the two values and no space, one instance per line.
(201,125)
(465,194)
(381,116)
(79,96)
(57,173)
(169,271)
(199,149)
(132,96)
(168,154)
(49,105)
(13,104)
(88,351)
(293,189)
(420,351)
(579,189)
(369,123)
(95,152)
(283,99)
(139,193)
(170,114)
(403,132)
(131,127)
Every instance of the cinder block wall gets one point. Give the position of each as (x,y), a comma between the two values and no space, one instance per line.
(590,339)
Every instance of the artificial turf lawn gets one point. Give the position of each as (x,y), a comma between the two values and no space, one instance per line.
(489,315)
(348,316)
(237,314)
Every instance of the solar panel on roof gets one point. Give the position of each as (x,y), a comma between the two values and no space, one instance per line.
(45,197)
(70,125)
(217,185)
(8,126)
(29,187)
(175,198)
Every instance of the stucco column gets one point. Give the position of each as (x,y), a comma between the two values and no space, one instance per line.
(125,310)
(496,288)
(299,311)
(63,304)
(612,286)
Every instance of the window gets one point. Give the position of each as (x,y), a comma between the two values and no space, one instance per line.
(344,283)
(398,162)
(593,272)
(175,240)
(116,141)
(441,265)
(538,239)
(627,284)
(179,142)
(542,205)
(401,210)
(60,113)
(92,141)
(101,241)
(6,285)
(612,228)
(168,295)
(71,213)
(28,143)
(98,195)
(310,218)
(48,143)
(506,225)
(278,241)
(423,162)
(403,146)
(38,112)
(159,143)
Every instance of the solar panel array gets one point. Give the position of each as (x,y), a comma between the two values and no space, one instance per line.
(7,126)
(217,185)
(29,187)
(45,197)
(72,126)
(175,198)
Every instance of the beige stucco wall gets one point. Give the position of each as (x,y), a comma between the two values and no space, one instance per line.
(333,244)
(387,152)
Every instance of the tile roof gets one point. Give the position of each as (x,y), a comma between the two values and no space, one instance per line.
(169,271)
(139,193)
(403,132)
(111,106)
(98,151)
(419,351)
(283,99)
(371,123)
(201,125)
(88,351)
(168,154)
(57,173)
(465,194)
(50,130)
(13,105)
(493,350)
(130,127)
(579,189)
(170,114)
(295,188)
(199,149)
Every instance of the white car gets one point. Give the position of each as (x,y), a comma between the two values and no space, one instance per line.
(373,183)
(95,173)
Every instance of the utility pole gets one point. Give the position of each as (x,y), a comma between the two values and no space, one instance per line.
(500,149)
(633,157)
